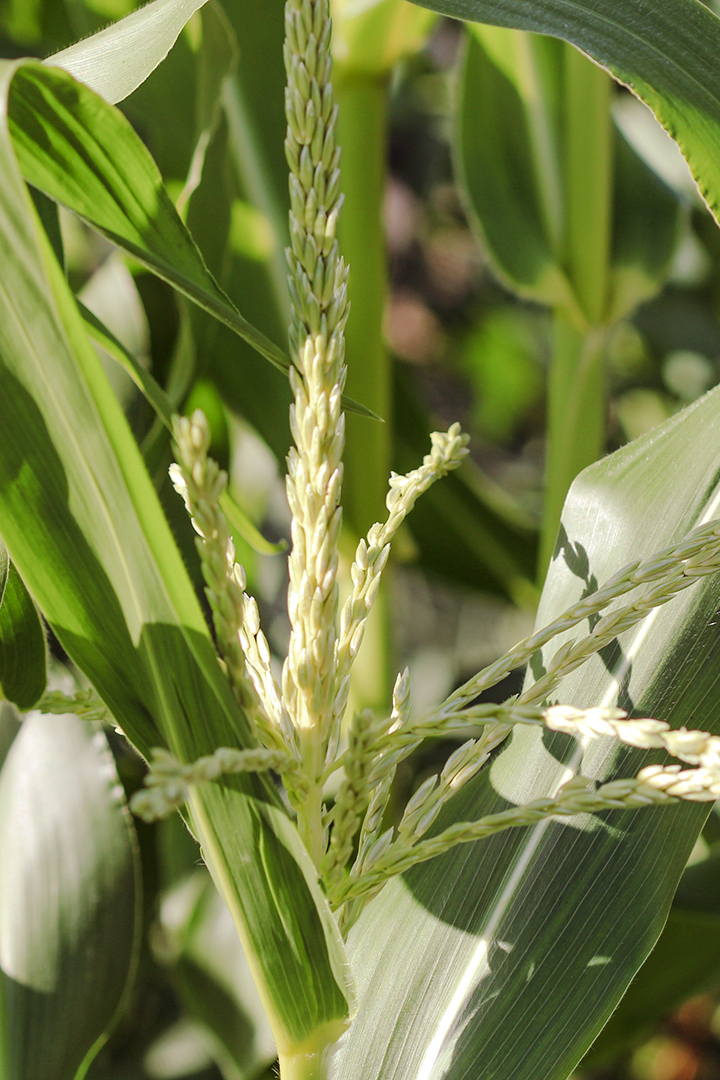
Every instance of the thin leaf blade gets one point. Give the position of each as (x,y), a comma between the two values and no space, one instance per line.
(84,154)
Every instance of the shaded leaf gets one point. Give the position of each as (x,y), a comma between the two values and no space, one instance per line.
(212,977)
(465,529)
(23,653)
(70,889)
(496,163)
(510,155)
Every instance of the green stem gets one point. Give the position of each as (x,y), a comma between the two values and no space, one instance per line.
(362,134)
(577,395)
(576,419)
(588,181)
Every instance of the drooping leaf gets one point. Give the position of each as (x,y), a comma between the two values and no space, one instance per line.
(82,522)
(514,951)
(70,898)
(115,61)
(667,55)
(84,154)
(23,653)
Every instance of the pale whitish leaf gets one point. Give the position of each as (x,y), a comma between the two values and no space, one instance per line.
(69,898)
(81,521)
(115,61)
(505,958)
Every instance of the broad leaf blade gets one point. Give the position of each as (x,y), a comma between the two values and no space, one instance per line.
(83,524)
(666,53)
(70,898)
(23,653)
(117,60)
(84,154)
(541,931)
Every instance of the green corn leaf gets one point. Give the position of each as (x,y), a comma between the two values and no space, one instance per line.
(684,962)
(23,653)
(162,405)
(117,60)
(509,153)
(646,224)
(514,951)
(666,54)
(69,898)
(81,520)
(4,569)
(142,378)
(84,154)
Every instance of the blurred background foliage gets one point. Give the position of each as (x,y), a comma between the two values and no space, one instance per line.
(451,322)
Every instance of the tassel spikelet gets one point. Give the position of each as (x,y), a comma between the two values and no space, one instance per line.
(201,483)
(297,726)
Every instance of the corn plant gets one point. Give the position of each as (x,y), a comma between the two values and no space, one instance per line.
(491,927)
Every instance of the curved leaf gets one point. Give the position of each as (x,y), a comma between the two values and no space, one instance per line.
(117,60)
(23,653)
(84,154)
(515,950)
(665,53)
(69,898)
